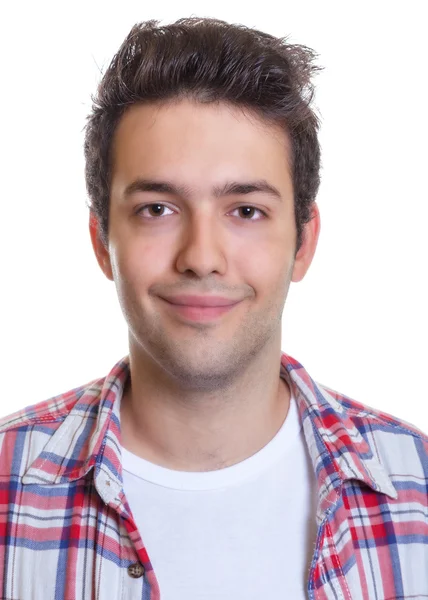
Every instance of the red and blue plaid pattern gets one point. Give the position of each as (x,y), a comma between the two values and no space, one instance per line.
(67,531)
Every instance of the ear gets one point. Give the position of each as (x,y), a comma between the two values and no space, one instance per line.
(101,252)
(306,252)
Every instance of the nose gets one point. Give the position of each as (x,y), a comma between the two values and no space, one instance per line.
(202,247)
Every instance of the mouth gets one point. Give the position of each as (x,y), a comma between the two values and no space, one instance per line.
(199,313)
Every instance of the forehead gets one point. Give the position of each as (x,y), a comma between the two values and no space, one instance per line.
(186,138)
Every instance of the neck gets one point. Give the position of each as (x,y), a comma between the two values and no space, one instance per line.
(202,431)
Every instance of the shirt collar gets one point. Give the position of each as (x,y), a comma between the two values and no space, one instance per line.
(89,437)
(338,449)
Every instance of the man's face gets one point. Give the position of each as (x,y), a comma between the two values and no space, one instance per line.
(199,237)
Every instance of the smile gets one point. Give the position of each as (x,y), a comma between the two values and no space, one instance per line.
(199,313)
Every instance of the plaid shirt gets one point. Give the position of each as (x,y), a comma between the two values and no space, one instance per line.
(67,531)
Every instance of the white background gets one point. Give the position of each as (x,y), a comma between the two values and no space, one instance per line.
(357,322)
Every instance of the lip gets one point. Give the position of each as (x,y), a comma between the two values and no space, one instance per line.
(201,301)
(212,308)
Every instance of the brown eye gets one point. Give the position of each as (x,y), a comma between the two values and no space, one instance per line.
(247,211)
(150,211)
(155,209)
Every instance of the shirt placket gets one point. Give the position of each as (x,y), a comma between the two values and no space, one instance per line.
(136,578)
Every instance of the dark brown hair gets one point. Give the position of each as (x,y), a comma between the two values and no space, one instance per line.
(208,60)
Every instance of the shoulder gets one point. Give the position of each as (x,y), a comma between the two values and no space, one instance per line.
(401,447)
(52,410)
(24,433)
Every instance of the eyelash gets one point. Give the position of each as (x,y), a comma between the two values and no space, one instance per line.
(140,210)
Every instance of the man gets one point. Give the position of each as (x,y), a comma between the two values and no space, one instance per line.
(208,464)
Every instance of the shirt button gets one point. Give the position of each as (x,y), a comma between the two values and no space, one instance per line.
(136,570)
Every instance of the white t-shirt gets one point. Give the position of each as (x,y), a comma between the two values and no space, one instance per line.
(243,532)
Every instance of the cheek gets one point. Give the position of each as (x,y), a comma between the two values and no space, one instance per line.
(137,265)
(264,265)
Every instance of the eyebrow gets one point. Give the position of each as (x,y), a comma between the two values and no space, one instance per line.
(228,189)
